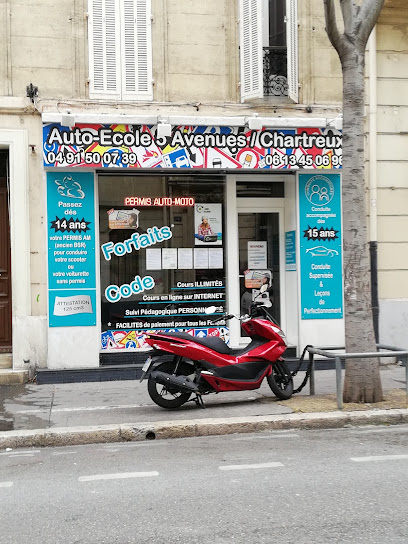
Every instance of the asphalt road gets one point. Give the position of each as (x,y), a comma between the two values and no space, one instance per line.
(345,485)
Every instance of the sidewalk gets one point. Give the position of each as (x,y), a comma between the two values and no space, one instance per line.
(77,413)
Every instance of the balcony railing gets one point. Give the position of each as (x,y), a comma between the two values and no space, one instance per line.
(275,71)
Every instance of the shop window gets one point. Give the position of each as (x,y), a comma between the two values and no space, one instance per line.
(162,256)
(4,169)
(261,189)
(268,49)
(120,50)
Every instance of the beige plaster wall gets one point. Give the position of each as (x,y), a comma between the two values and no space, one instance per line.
(392,156)
(37,199)
(44,42)
(319,66)
(195,51)
(5,66)
(193,56)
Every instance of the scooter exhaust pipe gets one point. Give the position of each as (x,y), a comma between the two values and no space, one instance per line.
(182,383)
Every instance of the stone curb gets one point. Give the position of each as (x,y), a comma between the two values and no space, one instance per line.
(73,436)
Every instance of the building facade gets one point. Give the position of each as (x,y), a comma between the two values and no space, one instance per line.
(160,158)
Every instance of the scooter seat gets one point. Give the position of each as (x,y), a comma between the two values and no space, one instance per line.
(213,342)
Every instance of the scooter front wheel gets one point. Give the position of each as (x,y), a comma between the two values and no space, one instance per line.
(281,381)
(167,396)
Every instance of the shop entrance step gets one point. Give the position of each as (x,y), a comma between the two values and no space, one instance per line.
(6,360)
(102,374)
(13,377)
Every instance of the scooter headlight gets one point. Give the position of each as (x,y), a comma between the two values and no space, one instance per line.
(280,332)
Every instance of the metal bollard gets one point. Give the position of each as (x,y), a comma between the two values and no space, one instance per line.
(339,388)
(312,374)
(404,361)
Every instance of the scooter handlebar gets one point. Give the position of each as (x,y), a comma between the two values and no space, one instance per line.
(223,317)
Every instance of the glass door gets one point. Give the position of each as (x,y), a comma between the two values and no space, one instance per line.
(255,249)
(259,260)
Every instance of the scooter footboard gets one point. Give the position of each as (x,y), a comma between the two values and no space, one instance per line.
(237,377)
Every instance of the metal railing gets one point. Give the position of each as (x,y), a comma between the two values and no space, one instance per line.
(392,351)
(275,71)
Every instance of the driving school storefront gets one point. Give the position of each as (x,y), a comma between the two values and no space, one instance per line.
(149,226)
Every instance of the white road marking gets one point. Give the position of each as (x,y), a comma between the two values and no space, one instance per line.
(19,452)
(247,467)
(22,455)
(378,458)
(81,409)
(119,475)
(64,453)
(373,430)
(272,436)
(149,443)
(6,484)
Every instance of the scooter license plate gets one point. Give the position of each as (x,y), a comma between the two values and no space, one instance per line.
(147,364)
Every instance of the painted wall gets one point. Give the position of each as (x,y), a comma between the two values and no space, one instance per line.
(319,66)
(195,52)
(27,249)
(392,168)
(35,183)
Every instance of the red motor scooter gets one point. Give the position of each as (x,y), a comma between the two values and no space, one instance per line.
(199,366)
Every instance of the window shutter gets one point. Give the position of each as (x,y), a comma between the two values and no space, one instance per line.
(292,41)
(250,16)
(136,50)
(104,49)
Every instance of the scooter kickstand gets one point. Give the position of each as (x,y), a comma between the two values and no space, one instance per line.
(199,401)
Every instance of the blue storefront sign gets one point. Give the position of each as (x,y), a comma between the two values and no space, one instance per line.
(71,249)
(320,246)
(290,251)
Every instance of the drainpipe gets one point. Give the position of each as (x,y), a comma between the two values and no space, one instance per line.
(372,144)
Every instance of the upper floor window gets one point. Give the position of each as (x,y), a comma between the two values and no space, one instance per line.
(120,49)
(268,40)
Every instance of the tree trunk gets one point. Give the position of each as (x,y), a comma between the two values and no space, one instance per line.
(362,378)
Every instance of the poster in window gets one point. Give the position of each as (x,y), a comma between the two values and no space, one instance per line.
(200,258)
(123,219)
(215,257)
(185,258)
(153,259)
(169,258)
(253,278)
(257,254)
(208,224)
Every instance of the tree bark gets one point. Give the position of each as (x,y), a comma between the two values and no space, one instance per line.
(362,378)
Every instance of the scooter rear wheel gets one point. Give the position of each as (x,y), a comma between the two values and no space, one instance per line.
(281,381)
(167,396)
